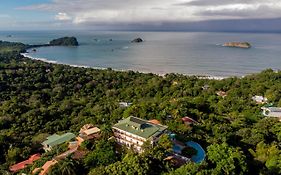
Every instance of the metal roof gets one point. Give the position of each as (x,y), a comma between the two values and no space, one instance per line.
(58,139)
(91,131)
(140,127)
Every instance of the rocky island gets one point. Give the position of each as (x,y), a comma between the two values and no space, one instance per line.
(137,40)
(65,41)
(244,45)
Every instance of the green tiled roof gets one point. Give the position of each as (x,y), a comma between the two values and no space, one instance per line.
(55,139)
(140,127)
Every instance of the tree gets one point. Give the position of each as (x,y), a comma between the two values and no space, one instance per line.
(268,155)
(67,166)
(13,154)
(162,147)
(103,154)
(191,169)
(226,159)
(188,151)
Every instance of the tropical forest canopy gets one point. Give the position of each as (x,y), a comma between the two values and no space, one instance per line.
(38,99)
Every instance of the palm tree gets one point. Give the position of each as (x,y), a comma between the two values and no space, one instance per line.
(67,166)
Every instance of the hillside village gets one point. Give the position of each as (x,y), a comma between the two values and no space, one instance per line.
(62,120)
(132,133)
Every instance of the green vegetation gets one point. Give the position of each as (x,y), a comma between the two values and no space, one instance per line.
(188,151)
(38,99)
(6,47)
(65,41)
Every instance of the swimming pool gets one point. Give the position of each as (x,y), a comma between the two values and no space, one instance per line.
(200,156)
(177,148)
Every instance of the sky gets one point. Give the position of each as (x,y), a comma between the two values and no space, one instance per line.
(198,15)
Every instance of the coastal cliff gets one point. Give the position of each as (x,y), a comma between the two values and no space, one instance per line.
(244,45)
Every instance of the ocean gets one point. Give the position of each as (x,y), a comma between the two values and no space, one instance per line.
(190,53)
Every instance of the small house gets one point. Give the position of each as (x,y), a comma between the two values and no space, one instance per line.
(188,120)
(55,140)
(222,94)
(124,104)
(260,99)
(272,112)
(205,87)
(88,132)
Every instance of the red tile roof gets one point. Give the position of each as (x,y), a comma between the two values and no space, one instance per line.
(188,120)
(23,164)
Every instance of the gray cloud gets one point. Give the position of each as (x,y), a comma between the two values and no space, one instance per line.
(99,12)
(215,2)
(262,11)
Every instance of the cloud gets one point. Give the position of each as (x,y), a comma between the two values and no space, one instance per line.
(216,2)
(62,17)
(245,11)
(158,11)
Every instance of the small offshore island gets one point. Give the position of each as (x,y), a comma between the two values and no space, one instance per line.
(137,40)
(65,41)
(244,45)
(57,119)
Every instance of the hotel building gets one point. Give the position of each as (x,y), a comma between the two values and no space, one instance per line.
(133,132)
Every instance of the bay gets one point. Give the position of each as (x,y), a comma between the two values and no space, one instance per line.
(191,53)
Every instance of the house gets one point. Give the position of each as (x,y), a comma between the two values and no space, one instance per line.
(125,104)
(88,132)
(133,132)
(188,120)
(272,112)
(260,99)
(55,140)
(205,87)
(19,166)
(222,94)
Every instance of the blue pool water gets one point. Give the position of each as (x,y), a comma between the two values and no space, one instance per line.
(200,156)
(177,148)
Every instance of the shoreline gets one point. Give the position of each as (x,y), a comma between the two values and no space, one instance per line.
(207,77)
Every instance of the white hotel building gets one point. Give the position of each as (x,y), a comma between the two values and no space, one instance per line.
(133,132)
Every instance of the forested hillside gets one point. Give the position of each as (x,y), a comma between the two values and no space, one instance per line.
(39,99)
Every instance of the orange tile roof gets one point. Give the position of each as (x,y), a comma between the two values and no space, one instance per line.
(47,166)
(23,164)
(91,131)
(154,121)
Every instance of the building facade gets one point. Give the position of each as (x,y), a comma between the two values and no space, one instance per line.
(133,132)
